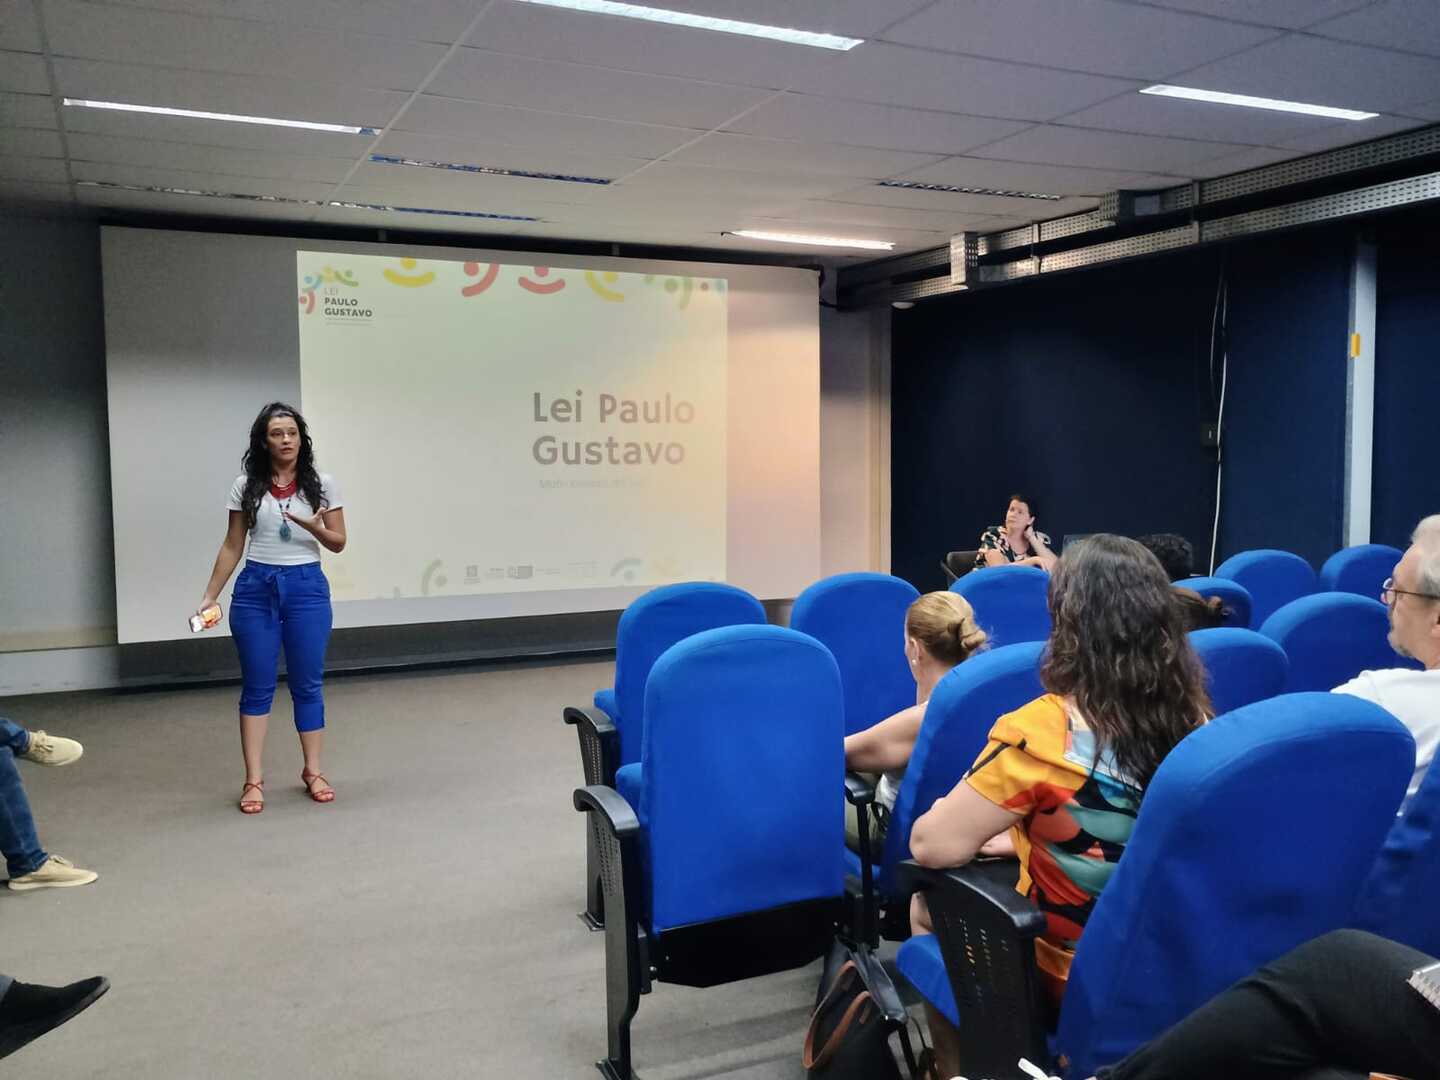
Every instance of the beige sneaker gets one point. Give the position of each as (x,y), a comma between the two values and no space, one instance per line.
(52,750)
(54,873)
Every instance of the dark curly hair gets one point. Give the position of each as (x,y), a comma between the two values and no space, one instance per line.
(1119,651)
(1175,553)
(258,468)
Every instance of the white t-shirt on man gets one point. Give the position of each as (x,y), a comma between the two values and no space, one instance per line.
(1413,697)
(265,543)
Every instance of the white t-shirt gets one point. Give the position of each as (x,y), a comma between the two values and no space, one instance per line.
(265,543)
(1413,697)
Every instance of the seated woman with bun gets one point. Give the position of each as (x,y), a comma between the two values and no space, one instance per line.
(1016,541)
(940,632)
(1178,558)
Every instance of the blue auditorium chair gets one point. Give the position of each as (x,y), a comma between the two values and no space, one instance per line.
(860,618)
(1273,578)
(1398,900)
(732,864)
(1241,666)
(1361,569)
(1331,637)
(1235,596)
(1255,835)
(963,707)
(1009,601)
(610,733)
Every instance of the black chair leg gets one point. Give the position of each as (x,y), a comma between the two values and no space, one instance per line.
(594,914)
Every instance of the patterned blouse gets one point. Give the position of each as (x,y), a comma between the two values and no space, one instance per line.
(994,539)
(1078,812)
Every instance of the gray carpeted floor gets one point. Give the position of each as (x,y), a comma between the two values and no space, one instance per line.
(422,925)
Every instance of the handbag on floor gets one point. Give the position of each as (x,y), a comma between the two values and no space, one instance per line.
(856,1013)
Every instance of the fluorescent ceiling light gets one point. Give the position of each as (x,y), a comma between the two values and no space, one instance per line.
(1218,97)
(959,189)
(286,201)
(814,241)
(195,114)
(487,170)
(705,22)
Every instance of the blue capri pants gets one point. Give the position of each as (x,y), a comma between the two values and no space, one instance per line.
(272,606)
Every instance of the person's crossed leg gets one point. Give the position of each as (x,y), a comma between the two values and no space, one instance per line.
(28,1011)
(28,864)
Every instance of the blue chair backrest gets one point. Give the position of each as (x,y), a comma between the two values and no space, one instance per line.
(654,622)
(1361,569)
(1254,836)
(860,618)
(744,766)
(1332,637)
(1242,666)
(962,709)
(1273,579)
(1398,899)
(1009,601)
(1235,596)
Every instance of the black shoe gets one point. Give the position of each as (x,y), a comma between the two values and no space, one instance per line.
(28,1011)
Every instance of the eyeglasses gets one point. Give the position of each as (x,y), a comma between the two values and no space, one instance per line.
(1388,592)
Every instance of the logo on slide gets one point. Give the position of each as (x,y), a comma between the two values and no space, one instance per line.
(595,280)
(433,577)
(327,276)
(487,279)
(680,288)
(542,287)
(626,569)
(409,281)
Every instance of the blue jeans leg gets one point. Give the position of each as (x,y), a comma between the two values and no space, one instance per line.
(14,736)
(306,620)
(18,840)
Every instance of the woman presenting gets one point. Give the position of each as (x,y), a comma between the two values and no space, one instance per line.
(281,596)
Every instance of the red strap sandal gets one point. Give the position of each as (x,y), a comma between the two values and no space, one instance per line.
(309,778)
(252,806)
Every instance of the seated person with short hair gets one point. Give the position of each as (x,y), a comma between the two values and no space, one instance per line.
(1413,596)
(1062,778)
(1016,541)
(1178,558)
(940,632)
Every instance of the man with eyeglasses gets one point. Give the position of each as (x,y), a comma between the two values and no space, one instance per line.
(1413,597)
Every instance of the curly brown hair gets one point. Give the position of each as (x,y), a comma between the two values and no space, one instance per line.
(1119,650)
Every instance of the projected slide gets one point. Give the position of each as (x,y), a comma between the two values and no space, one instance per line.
(497,428)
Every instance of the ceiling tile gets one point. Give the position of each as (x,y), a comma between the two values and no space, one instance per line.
(31,142)
(46,170)
(1410,25)
(23,73)
(1054,145)
(432,20)
(27,110)
(1324,72)
(961,203)
(1018,176)
(1100,36)
(848,213)
(152,176)
(1290,14)
(17,26)
(477,151)
(1148,114)
(192,205)
(529,127)
(1346,134)
(217,92)
(1251,158)
(481,228)
(132,35)
(456,191)
(751,152)
(582,90)
(897,75)
(34,193)
(203,133)
(698,181)
(888,127)
(213,159)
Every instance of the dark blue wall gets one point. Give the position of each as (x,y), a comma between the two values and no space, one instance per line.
(1407,378)
(1088,391)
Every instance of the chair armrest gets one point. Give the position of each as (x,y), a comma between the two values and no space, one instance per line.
(987,931)
(858,790)
(617,815)
(599,744)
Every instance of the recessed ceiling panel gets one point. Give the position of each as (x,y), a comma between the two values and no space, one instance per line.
(530,127)
(887,127)
(419,20)
(1151,114)
(34,194)
(18,29)
(27,110)
(1343,134)
(1393,24)
(1024,176)
(216,159)
(1290,14)
(452,191)
(23,73)
(492,154)
(31,142)
(46,170)
(1055,145)
(155,176)
(851,18)
(752,152)
(960,202)
(1252,158)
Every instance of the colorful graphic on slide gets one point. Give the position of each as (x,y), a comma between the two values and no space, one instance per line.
(543,288)
(327,276)
(609,277)
(684,286)
(433,575)
(409,281)
(488,279)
